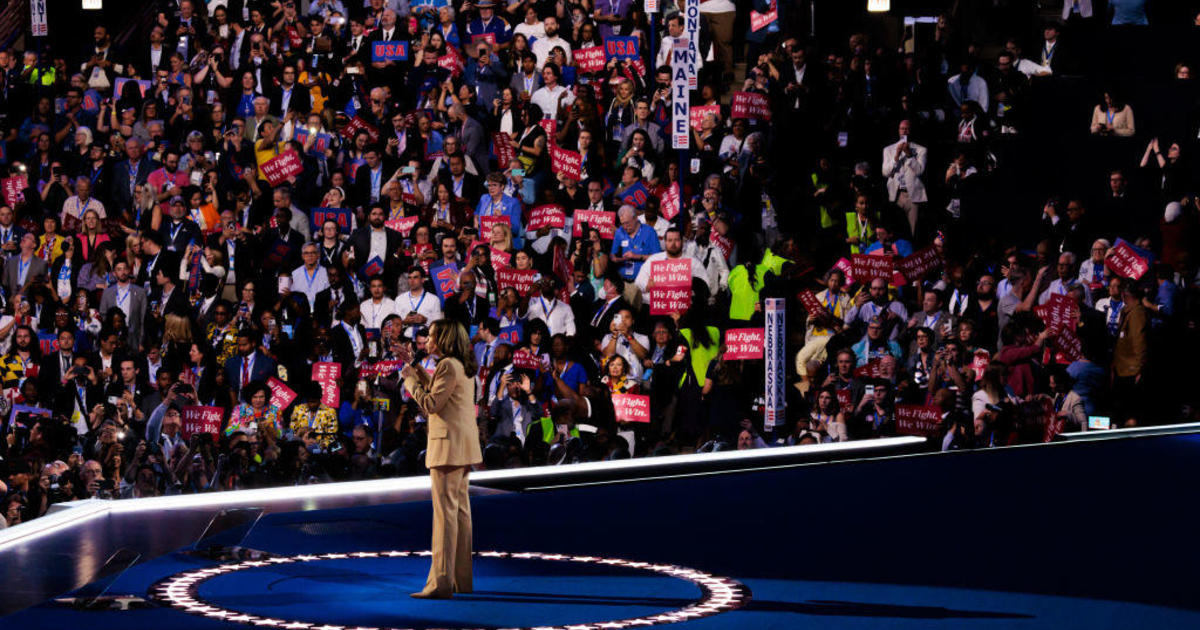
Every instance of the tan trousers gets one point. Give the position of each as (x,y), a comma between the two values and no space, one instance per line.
(451,567)
(911,210)
(721,27)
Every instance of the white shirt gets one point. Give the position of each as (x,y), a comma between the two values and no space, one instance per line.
(547,99)
(543,46)
(698,270)
(373,313)
(310,283)
(530,31)
(717,271)
(625,349)
(717,6)
(424,303)
(378,245)
(557,314)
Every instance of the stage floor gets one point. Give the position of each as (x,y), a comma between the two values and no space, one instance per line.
(1088,535)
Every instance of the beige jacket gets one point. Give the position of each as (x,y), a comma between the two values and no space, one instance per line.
(447,401)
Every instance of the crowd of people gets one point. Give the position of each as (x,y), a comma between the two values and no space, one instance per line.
(183,311)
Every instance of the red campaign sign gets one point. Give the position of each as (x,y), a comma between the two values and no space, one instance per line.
(281,395)
(490,38)
(1058,313)
(498,257)
(451,62)
(918,264)
(696,114)
(547,216)
(809,301)
(917,419)
(601,220)
(357,124)
(590,59)
(669,204)
(1126,262)
(326,374)
(873,369)
(670,286)
(979,363)
(631,407)
(403,225)
(750,105)
(759,21)
(201,420)
(14,189)
(867,268)
(519,279)
(845,400)
(722,243)
(744,343)
(277,169)
(668,300)
(551,127)
(525,360)
(380,368)
(847,270)
(566,162)
(486,223)
(502,147)
(1068,347)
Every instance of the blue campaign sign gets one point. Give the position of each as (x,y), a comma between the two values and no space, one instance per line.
(620,48)
(510,334)
(323,141)
(445,280)
(636,195)
(389,51)
(341,215)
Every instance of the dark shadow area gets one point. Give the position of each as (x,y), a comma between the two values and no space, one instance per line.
(824,607)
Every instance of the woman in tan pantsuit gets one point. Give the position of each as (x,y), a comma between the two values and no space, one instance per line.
(447,401)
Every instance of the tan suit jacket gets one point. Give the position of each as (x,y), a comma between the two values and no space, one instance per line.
(1131,351)
(447,401)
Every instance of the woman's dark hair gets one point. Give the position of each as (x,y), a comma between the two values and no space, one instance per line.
(538,326)
(694,320)
(253,388)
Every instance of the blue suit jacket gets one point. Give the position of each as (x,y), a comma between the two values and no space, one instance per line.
(262,369)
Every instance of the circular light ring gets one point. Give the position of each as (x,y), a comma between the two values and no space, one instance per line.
(720,594)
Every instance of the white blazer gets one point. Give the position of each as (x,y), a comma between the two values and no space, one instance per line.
(1085,8)
(905,172)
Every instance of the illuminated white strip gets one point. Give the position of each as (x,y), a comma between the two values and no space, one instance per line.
(76,512)
(720,594)
(1127,432)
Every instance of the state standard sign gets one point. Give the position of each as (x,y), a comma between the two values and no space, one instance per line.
(774,368)
(37,18)
(680,99)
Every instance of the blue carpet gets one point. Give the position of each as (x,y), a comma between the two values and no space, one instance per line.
(1095,535)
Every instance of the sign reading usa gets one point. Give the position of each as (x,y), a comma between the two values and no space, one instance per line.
(389,51)
(621,47)
(341,216)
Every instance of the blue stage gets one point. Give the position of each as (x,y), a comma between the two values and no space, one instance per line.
(1078,535)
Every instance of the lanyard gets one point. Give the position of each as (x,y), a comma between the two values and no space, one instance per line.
(458,186)
(23,269)
(355,342)
(310,279)
(175,232)
(553,305)
(122,296)
(416,308)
